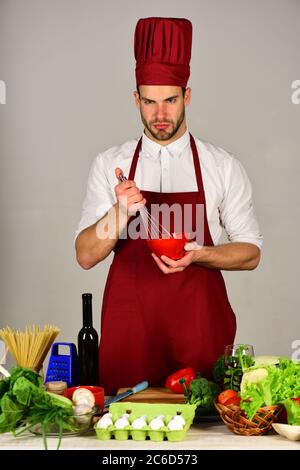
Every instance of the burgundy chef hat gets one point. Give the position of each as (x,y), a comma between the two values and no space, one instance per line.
(162,49)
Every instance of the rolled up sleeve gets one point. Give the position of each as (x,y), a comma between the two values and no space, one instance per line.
(99,197)
(237,215)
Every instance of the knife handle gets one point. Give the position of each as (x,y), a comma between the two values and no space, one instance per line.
(141,386)
(137,388)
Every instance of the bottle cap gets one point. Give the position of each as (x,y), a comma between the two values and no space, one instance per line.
(56,387)
(87,296)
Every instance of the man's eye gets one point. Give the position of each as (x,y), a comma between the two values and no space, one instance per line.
(172,100)
(147,102)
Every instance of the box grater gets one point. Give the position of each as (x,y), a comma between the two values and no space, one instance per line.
(63,367)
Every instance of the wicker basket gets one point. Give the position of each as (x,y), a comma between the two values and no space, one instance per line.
(235,419)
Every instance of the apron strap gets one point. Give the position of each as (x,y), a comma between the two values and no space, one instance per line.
(197,165)
(135,160)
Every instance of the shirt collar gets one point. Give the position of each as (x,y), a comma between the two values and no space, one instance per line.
(175,149)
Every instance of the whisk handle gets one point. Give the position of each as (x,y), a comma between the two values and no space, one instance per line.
(122,178)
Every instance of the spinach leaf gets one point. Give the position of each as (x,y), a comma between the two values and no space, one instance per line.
(4,386)
(31,375)
(24,403)
(24,391)
(12,413)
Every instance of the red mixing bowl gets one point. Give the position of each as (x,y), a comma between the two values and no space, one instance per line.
(98,393)
(171,247)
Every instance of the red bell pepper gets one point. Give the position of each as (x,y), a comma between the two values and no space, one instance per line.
(175,381)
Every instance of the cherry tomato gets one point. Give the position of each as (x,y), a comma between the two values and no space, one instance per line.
(224,396)
(233,401)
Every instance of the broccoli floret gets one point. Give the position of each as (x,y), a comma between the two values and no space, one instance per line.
(203,393)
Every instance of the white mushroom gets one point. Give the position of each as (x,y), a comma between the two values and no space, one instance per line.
(82,413)
(83,396)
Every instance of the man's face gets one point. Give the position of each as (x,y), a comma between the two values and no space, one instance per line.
(162,109)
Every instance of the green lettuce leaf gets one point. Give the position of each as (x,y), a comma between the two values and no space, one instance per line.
(293,412)
(281,383)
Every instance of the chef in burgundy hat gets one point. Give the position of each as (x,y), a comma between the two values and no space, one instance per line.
(160,315)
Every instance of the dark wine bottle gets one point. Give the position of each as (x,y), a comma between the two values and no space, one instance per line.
(88,346)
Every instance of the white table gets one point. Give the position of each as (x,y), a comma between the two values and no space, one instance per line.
(205,436)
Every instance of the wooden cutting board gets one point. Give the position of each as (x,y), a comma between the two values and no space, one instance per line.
(154,395)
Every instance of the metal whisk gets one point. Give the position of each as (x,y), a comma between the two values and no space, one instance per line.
(153,228)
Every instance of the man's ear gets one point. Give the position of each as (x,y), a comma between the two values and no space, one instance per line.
(187,96)
(137,99)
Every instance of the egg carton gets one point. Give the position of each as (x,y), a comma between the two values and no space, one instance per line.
(150,411)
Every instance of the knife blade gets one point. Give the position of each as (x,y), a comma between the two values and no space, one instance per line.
(137,388)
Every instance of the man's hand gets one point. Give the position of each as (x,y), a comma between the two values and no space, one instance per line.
(235,256)
(170,266)
(128,195)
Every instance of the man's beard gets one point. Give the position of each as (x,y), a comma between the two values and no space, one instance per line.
(163,134)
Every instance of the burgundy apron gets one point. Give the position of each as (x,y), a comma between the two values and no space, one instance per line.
(153,324)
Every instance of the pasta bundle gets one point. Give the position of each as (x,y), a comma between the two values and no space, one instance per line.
(29,348)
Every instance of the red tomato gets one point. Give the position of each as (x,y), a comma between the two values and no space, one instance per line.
(233,401)
(226,395)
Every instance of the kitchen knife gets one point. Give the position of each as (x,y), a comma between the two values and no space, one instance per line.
(137,388)
(4,371)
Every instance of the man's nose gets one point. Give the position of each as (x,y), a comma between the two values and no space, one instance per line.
(161,111)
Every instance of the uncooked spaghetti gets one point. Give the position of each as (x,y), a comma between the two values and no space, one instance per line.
(29,348)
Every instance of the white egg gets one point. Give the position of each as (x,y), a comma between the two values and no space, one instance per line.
(139,423)
(175,425)
(122,422)
(105,421)
(180,419)
(156,423)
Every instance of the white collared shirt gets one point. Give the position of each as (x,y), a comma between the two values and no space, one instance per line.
(170,168)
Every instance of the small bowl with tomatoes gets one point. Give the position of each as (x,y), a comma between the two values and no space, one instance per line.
(228,406)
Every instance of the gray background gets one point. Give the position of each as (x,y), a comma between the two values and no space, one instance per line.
(69,71)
